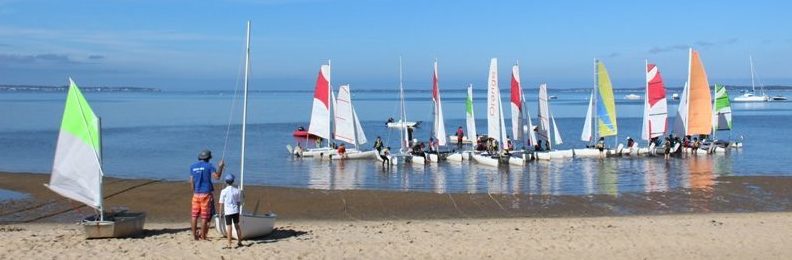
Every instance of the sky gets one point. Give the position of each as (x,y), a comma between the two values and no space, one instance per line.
(198,45)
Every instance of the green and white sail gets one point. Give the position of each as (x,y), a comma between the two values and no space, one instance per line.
(721,114)
(77,170)
(470,118)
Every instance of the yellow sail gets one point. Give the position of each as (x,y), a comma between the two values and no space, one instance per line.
(700,100)
(606,106)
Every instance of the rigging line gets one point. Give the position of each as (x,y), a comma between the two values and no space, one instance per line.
(231,111)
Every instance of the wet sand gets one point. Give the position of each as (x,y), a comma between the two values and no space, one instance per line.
(169,202)
(690,223)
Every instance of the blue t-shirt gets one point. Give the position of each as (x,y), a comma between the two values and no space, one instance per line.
(202,177)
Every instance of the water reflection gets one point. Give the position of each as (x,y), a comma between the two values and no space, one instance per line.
(611,176)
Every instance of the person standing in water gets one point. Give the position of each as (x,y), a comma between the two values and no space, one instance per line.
(201,174)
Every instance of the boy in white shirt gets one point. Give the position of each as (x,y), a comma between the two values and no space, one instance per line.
(230,200)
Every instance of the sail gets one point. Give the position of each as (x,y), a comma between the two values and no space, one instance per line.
(556,134)
(543,129)
(516,104)
(495,124)
(586,135)
(470,118)
(681,119)
(359,134)
(721,116)
(320,112)
(345,116)
(439,126)
(404,132)
(531,134)
(77,170)
(606,106)
(655,105)
(699,121)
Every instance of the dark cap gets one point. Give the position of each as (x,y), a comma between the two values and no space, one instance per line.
(205,155)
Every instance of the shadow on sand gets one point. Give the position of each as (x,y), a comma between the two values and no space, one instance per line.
(164,231)
(277,235)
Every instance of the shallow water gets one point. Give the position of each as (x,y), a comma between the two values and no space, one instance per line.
(157,135)
(6,195)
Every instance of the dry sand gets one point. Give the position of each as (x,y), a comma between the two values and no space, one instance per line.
(698,236)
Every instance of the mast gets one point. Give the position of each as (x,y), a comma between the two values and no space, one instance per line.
(244,109)
(101,165)
(403,111)
(330,107)
(753,85)
(594,114)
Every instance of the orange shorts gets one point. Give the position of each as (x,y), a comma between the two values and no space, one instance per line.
(203,205)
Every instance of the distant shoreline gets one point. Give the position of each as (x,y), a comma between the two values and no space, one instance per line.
(48,89)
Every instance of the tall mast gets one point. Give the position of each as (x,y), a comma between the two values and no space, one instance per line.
(330,105)
(402,111)
(594,114)
(753,85)
(244,109)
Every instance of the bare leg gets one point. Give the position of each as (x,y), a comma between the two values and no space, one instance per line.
(228,234)
(239,234)
(193,225)
(204,228)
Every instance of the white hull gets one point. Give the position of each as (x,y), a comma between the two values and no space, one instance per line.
(433,157)
(751,98)
(417,160)
(452,140)
(357,155)
(402,124)
(122,225)
(253,226)
(485,160)
(314,152)
(517,161)
(558,154)
(459,156)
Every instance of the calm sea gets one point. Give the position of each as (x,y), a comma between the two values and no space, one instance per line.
(158,135)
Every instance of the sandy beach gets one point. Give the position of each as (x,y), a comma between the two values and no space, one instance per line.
(702,236)
(742,217)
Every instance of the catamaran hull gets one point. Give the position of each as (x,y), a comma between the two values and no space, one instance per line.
(485,160)
(357,155)
(122,225)
(253,226)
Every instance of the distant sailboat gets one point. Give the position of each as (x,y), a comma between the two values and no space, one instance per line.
(77,169)
(655,116)
(753,96)
(601,114)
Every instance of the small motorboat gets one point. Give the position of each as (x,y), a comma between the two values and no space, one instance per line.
(302,132)
(779,98)
(633,97)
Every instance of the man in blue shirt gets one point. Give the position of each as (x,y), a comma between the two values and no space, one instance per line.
(201,174)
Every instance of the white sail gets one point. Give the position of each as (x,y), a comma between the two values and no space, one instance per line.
(470,118)
(77,170)
(680,121)
(345,119)
(587,129)
(404,132)
(438,128)
(556,134)
(320,112)
(359,134)
(543,130)
(495,123)
(531,134)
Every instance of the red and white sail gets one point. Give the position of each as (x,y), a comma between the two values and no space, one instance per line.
(438,129)
(320,112)
(516,104)
(655,121)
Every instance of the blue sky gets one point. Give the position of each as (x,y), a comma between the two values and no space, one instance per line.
(186,45)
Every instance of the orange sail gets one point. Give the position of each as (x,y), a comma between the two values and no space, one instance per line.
(699,98)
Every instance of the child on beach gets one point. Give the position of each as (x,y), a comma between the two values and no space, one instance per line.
(230,200)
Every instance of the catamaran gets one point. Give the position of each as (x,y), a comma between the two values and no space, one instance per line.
(694,115)
(655,116)
(547,133)
(722,119)
(348,128)
(753,96)
(601,115)
(252,223)
(77,170)
(496,128)
(522,127)
(321,116)
(470,124)
(438,126)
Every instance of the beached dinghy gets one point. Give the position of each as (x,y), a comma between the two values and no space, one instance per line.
(252,223)
(77,170)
